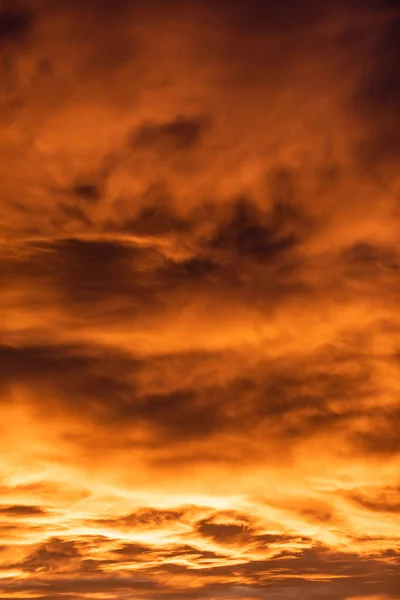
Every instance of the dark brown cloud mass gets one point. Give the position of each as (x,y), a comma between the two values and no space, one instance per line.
(199,291)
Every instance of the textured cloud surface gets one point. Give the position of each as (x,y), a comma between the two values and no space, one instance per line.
(199,292)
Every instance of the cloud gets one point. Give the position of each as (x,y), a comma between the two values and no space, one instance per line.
(378,96)
(180,134)
(225,532)
(54,556)
(168,569)
(22,511)
(382,500)
(14,24)
(198,269)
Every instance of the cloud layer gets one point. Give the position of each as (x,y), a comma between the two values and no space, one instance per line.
(199,275)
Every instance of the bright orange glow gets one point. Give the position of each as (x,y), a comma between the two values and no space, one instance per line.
(199,300)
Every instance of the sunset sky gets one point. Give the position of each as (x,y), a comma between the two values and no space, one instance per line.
(199,300)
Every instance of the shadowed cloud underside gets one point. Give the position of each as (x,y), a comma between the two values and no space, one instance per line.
(199,292)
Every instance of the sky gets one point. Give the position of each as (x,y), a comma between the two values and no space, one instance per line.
(199,292)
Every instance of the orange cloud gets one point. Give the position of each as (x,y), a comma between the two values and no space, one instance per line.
(199,263)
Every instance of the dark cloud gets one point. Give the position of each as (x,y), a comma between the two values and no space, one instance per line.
(224,532)
(339,575)
(379,94)
(182,133)
(149,517)
(367,260)
(264,238)
(114,279)
(14,23)
(156,215)
(93,271)
(59,587)
(171,553)
(54,556)
(35,362)
(87,191)
(22,511)
(172,413)
(382,501)
(291,401)
(382,438)
(316,570)
(133,552)
(258,15)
